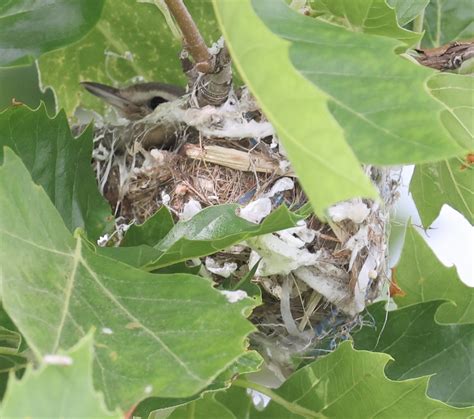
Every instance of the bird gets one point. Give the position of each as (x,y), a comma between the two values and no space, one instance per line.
(134,103)
(137,100)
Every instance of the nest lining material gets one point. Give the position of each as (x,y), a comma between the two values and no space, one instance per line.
(316,277)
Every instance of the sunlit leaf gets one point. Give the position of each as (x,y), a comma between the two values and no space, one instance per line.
(57,391)
(315,143)
(456,92)
(156,335)
(448,182)
(424,278)
(420,347)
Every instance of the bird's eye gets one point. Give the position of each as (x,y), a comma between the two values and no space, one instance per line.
(157,100)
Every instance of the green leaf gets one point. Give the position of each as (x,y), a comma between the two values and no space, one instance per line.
(456,92)
(64,391)
(447,21)
(21,84)
(353,381)
(448,182)
(207,407)
(421,346)
(130,40)
(213,229)
(424,278)
(373,17)
(161,335)
(151,231)
(407,10)
(59,163)
(136,256)
(325,164)
(378,97)
(247,363)
(31,28)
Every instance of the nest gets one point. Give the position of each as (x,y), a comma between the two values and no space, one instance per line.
(316,278)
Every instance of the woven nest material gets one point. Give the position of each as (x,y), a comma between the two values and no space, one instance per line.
(316,278)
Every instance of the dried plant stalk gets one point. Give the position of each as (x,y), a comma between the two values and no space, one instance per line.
(235,159)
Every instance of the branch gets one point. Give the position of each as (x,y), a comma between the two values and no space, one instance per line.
(192,39)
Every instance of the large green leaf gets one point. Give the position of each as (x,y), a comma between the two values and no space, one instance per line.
(424,278)
(350,383)
(214,229)
(407,10)
(315,143)
(57,391)
(130,40)
(161,335)
(448,20)
(353,381)
(59,163)
(420,347)
(373,17)
(30,28)
(447,182)
(378,97)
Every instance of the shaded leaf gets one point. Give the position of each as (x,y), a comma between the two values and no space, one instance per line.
(213,229)
(373,17)
(136,256)
(130,40)
(447,21)
(64,391)
(28,29)
(420,347)
(162,335)
(59,163)
(448,182)
(205,408)
(353,381)
(318,151)
(424,278)
(247,363)
(151,231)
(407,10)
(21,84)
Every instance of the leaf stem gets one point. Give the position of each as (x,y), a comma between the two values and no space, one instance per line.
(290,406)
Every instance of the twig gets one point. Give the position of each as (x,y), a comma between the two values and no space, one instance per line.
(193,41)
(235,159)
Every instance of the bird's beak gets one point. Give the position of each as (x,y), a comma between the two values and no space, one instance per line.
(112,96)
